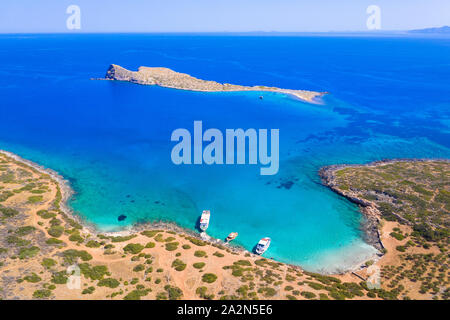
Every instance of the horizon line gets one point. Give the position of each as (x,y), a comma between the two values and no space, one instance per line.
(206,32)
(379,31)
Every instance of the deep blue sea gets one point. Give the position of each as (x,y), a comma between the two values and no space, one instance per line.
(389,98)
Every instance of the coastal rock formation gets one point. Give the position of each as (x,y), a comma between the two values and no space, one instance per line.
(407,204)
(369,210)
(168,78)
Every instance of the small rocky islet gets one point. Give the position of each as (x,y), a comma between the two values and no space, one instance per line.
(168,78)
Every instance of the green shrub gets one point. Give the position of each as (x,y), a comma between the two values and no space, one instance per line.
(269,292)
(290,278)
(209,277)
(25,253)
(48,263)
(196,241)
(109,282)
(138,268)
(199,265)
(44,214)
(397,236)
(136,294)
(218,254)
(55,222)
(56,231)
(289,288)
(308,295)
(244,263)
(150,233)
(95,272)
(88,290)
(5,195)
(133,248)
(159,238)
(18,242)
(8,212)
(199,253)
(201,291)
(33,278)
(161,296)
(59,277)
(178,265)
(150,245)
(23,231)
(172,246)
(71,255)
(316,286)
(35,199)
(93,244)
(52,241)
(174,293)
(323,296)
(76,237)
(41,294)
(122,238)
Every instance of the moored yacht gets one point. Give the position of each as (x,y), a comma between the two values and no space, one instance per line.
(232,236)
(204,220)
(262,245)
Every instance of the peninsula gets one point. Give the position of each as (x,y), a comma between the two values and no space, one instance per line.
(168,78)
(406,204)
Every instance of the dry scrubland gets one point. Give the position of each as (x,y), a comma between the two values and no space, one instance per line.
(411,202)
(39,241)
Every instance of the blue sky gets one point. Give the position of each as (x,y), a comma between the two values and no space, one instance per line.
(219,15)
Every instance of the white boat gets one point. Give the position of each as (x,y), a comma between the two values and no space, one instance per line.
(231,236)
(262,245)
(204,220)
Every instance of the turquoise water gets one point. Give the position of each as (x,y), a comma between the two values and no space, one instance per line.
(111,140)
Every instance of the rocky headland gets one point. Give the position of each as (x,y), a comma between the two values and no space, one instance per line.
(406,203)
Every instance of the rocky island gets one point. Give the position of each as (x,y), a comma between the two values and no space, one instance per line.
(168,78)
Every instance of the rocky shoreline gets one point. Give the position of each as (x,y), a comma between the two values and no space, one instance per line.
(367,208)
(168,78)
